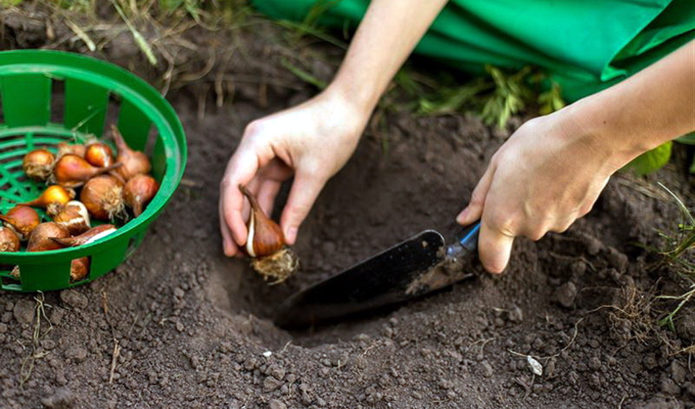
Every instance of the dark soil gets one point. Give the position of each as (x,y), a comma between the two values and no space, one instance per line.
(190,328)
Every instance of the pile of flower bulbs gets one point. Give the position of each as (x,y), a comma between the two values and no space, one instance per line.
(109,187)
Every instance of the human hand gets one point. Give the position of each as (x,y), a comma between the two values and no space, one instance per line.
(549,173)
(311,141)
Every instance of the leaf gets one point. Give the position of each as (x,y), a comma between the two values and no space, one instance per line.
(82,35)
(550,100)
(139,39)
(651,161)
(170,5)
(688,139)
(303,75)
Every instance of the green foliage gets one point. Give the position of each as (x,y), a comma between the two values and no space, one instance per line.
(9,3)
(509,96)
(689,139)
(651,161)
(192,7)
(677,245)
(551,100)
(139,39)
(496,97)
(303,74)
(451,100)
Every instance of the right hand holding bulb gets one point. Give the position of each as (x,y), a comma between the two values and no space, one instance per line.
(311,141)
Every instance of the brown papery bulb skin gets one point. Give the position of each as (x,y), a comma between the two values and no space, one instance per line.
(52,194)
(73,215)
(265,237)
(77,149)
(23,219)
(99,154)
(139,191)
(79,268)
(134,162)
(103,197)
(41,238)
(9,241)
(93,234)
(72,171)
(38,164)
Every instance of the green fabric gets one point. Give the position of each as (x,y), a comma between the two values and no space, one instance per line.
(585,45)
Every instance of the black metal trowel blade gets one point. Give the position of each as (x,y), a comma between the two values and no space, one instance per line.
(381,280)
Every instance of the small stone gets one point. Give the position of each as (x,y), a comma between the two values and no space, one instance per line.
(578,268)
(516,314)
(594,363)
(678,372)
(685,325)
(57,315)
(593,245)
(617,260)
(277,372)
(445,384)
(487,369)
(270,384)
(689,388)
(267,354)
(3,328)
(76,352)
(48,344)
(550,368)
(534,365)
(74,298)
(277,404)
(62,398)
(24,311)
(565,294)
(669,387)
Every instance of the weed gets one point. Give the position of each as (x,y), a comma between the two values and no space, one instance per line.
(674,254)
(303,75)
(496,97)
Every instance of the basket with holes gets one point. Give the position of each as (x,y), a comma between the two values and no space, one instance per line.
(49,97)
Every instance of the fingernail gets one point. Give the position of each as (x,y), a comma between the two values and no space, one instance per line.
(291,235)
(463,216)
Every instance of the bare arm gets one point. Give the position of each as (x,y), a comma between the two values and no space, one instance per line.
(312,141)
(387,35)
(651,107)
(550,172)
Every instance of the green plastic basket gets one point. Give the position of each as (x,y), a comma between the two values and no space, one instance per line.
(48,97)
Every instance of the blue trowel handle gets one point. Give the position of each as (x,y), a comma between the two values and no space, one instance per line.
(466,242)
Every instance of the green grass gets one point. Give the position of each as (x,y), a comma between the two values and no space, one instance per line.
(675,253)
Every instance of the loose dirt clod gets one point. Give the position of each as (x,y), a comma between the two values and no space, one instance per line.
(74,298)
(62,398)
(24,311)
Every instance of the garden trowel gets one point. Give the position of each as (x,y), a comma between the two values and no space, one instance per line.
(410,269)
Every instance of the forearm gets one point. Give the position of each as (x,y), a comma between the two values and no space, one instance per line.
(651,107)
(387,35)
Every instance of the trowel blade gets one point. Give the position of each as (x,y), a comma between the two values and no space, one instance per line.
(387,278)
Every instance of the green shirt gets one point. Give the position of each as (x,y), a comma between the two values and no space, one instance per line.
(585,45)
